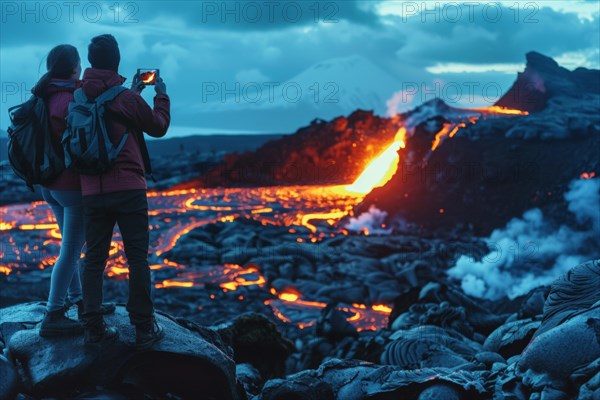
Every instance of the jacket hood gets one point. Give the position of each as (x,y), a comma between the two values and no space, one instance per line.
(97,81)
(62,85)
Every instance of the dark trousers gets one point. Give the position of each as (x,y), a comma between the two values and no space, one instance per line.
(129,209)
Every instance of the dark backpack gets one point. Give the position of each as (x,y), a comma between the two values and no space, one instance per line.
(31,152)
(87,145)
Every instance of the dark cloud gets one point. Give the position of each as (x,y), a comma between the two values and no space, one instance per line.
(192,48)
(260,15)
(486,40)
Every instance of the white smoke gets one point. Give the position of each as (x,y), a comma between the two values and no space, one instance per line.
(373,221)
(399,101)
(531,251)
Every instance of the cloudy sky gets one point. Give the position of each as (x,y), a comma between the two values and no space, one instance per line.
(273,66)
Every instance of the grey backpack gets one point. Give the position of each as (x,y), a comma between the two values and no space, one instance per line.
(86,143)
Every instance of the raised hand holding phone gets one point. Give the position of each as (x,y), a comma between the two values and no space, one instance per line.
(137,85)
(160,86)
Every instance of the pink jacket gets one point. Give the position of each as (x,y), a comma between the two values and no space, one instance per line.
(59,95)
(129,113)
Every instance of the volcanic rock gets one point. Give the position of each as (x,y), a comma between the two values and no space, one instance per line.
(550,359)
(9,379)
(440,391)
(489,358)
(257,341)
(249,377)
(588,381)
(508,164)
(480,317)
(323,152)
(565,351)
(575,293)
(333,324)
(356,380)
(428,346)
(182,364)
(511,338)
(542,79)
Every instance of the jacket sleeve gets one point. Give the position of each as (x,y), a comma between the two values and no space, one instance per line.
(153,122)
(58,108)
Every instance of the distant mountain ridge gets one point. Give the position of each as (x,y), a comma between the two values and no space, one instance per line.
(209,143)
(194,143)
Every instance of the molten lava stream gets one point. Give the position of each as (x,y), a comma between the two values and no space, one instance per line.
(228,277)
(290,308)
(498,110)
(382,168)
(33,239)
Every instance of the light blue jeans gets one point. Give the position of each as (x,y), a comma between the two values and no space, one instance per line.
(68,209)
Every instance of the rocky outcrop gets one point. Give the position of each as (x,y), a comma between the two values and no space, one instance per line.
(509,165)
(439,362)
(576,293)
(185,363)
(564,355)
(542,79)
(355,380)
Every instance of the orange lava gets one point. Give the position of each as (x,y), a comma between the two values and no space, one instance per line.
(587,175)
(359,315)
(500,110)
(175,213)
(381,169)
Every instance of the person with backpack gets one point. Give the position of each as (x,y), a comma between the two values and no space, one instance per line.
(60,187)
(114,185)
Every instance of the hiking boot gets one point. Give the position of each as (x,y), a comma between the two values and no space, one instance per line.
(99,334)
(146,335)
(56,323)
(105,308)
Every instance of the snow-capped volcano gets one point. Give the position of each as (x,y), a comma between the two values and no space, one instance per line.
(334,86)
(351,82)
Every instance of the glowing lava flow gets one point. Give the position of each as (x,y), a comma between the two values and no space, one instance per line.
(447,130)
(382,168)
(228,277)
(472,115)
(31,239)
(500,110)
(290,307)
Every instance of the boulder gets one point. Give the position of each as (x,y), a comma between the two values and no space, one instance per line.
(511,338)
(572,294)
(440,391)
(552,356)
(9,379)
(427,347)
(183,364)
(257,341)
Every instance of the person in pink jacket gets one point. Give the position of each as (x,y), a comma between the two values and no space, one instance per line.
(118,196)
(63,195)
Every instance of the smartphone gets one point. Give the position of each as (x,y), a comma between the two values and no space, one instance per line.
(148,75)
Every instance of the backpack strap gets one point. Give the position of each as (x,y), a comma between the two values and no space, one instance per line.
(110,94)
(145,155)
(79,96)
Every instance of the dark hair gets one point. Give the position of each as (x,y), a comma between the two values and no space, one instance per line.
(60,64)
(103,52)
